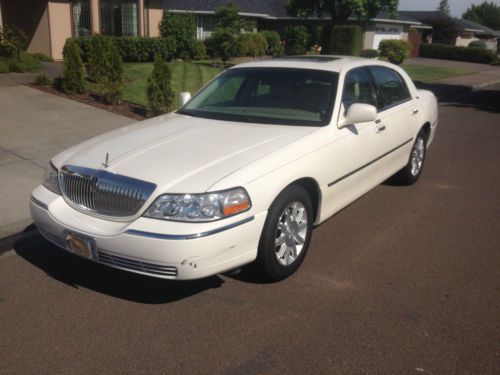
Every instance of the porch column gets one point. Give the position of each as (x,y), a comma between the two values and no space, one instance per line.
(140,6)
(95,22)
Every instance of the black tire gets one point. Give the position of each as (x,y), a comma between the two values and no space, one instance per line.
(407,175)
(267,263)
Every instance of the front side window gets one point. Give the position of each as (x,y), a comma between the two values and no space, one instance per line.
(358,88)
(119,17)
(81,17)
(268,95)
(391,86)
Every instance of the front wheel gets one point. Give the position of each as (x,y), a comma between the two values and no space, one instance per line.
(286,234)
(412,171)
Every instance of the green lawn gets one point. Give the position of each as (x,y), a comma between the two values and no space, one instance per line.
(186,76)
(426,73)
(190,76)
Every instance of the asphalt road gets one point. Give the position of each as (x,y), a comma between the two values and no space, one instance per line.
(404,281)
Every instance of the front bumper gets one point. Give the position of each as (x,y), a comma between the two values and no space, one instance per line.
(152,247)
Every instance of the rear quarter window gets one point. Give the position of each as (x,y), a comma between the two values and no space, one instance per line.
(391,87)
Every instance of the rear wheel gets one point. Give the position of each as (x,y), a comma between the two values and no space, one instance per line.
(412,171)
(286,235)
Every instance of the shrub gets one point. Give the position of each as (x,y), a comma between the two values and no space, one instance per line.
(440,51)
(182,28)
(478,44)
(96,65)
(345,40)
(200,51)
(369,53)
(296,40)
(221,44)
(250,44)
(395,51)
(42,80)
(4,68)
(112,75)
(134,49)
(12,42)
(42,57)
(72,81)
(159,91)
(57,83)
(16,67)
(273,43)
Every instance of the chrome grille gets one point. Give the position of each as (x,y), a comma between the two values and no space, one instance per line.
(102,192)
(132,264)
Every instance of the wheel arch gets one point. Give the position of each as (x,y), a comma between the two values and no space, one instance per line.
(311,186)
(427,130)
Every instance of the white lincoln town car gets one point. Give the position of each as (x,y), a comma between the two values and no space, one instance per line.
(242,172)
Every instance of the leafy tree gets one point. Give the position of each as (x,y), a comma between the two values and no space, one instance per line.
(182,28)
(444,30)
(487,14)
(159,91)
(72,80)
(444,7)
(229,18)
(113,74)
(340,10)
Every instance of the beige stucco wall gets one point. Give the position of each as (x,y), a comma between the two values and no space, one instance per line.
(60,27)
(368,39)
(40,42)
(154,16)
(1,22)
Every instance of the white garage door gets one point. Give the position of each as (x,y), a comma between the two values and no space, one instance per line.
(386,32)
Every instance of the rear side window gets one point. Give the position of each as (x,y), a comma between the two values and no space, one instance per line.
(391,87)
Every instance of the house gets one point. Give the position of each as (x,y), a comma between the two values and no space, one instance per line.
(465,31)
(48,23)
(272,15)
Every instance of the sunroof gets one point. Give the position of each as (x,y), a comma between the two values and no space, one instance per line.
(316,58)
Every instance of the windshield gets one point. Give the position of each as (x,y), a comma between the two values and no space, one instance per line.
(267,95)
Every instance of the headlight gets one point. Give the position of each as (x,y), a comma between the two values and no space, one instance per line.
(200,207)
(51,181)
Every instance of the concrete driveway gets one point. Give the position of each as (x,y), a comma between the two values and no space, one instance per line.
(34,126)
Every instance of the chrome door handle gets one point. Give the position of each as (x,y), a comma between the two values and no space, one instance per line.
(415,111)
(380,128)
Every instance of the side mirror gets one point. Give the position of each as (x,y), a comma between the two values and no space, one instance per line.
(184,97)
(359,112)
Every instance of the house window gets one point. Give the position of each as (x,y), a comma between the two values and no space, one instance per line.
(119,17)
(81,17)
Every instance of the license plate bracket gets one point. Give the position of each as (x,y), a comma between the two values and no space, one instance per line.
(81,245)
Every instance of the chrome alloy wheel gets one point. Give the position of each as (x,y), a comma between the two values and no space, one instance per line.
(417,156)
(291,233)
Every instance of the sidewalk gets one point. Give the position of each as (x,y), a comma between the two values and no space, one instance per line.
(34,126)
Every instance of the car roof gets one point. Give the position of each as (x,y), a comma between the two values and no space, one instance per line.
(332,63)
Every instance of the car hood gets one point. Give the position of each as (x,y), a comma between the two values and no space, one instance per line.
(181,154)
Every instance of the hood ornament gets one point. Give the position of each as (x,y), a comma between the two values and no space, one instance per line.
(106,163)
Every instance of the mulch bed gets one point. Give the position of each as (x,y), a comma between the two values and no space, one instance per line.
(125,108)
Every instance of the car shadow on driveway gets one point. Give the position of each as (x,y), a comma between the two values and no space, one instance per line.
(80,273)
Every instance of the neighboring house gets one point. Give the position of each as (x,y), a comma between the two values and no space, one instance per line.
(48,23)
(466,31)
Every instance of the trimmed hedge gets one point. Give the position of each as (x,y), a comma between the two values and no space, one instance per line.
(250,44)
(369,53)
(441,51)
(344,40)
(296,40)
(135,48)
